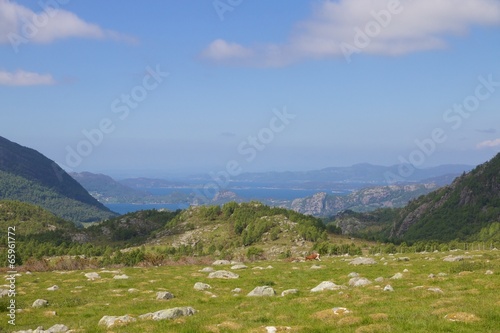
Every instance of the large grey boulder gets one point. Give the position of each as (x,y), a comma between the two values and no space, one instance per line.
(202,286)
(110,321)
(57,328)
(223,275)
(362,261)
(169,313)
(262,291)
(359,282)
(326,285)
(161,295)
(289,292)
(39,303)
(92,276)
(452,258)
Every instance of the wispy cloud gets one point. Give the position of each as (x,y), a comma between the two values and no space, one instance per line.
(489,144)
(220,50)
(487,130)
(419,26)
(23,78)
(21,24)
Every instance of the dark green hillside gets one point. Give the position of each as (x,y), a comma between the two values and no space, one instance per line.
(467,210)
(29,219)
(28,176)
(131,229)
(460,210)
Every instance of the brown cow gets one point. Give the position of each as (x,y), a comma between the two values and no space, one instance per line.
(313,256)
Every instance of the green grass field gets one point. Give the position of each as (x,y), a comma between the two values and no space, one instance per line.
(468,294)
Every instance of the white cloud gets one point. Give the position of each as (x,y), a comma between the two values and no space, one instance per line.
(222,50)
(19,24)
(412,26)
(23,78)
(489,144)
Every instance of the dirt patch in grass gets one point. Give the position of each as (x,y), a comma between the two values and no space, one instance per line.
(379,316)
(462,317)
(441,311)
(374,328)
(349,321)
(226,325)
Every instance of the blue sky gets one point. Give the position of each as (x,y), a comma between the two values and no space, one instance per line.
(268,85)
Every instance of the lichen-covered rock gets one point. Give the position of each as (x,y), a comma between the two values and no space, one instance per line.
(169,313)
(223,275)
(164,295)
(110,321)
(326,285)
(39,303)
(363,261)
(202,286)
(262,291)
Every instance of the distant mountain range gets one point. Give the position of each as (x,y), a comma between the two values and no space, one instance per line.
(363,173)
(28,176)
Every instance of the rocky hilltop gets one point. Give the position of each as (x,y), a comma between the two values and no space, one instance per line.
(323,204)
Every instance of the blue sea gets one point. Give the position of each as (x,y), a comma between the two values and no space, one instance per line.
(244,193)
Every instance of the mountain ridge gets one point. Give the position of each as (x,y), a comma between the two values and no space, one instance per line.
(27,175)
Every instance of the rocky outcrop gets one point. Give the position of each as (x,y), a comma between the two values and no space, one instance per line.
(323,204)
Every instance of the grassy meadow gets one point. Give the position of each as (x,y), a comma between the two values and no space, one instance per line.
(468,295)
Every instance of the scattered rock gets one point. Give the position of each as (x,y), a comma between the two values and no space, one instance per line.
(489,272)
(403,259)
(462,317)
(431,276)
(362,261)
(359,282)
(109,321)
(326,285)
(436,290)
(397,276)
(169,313)
(315,267)
(92,276)
(53,288)
(221,262)
(262,291)
(239,266)
(236,290)
(4,292)
(207,270)
(164,295)
(120,277)
(133,290)
(39,303)
(57,328)
(388,288)
(223,275)
(452,258)
(289,292)
(379,279)
(442,274)
(405,270)
(353,275)
(340,311)
(202,286)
